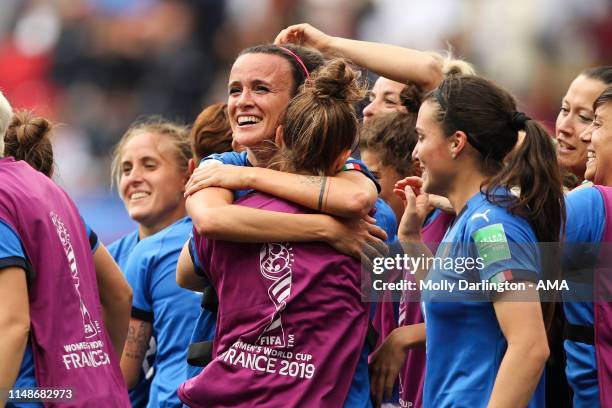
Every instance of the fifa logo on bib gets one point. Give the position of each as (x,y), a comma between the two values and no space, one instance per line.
(275,265)
(89,328)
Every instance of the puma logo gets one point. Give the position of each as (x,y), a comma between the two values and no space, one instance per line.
(483,215)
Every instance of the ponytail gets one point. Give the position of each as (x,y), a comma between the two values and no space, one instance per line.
(534,170)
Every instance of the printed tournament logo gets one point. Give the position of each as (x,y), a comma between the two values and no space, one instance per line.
(90,329)
(275,262)
(492,244)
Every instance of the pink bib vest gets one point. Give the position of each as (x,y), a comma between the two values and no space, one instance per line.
(70,345)
(291,324)
(603,309)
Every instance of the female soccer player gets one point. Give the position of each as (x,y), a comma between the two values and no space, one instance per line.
(489,352)
(588,222)
(262,81)
(292,349)
(210,134)
(58,301)
(575,115)
(150,167)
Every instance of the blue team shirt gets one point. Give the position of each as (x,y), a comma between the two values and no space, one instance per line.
(120,250)
(359,393)
(151,272)
(206,324)
(585,213)
(13,254)
(465,344)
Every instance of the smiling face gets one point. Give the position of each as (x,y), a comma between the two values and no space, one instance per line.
(575,116)
(152,182)
(433,151)
(384,98)
(599,149)
(259,90)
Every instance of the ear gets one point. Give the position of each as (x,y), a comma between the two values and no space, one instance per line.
(191,166)
(279,139)
(457,142)
(341,160)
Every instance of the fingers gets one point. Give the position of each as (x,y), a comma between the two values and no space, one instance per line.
(388,386)
(369,219)
(410,198)
(281,37)
(376,231)
(415,182)
(195,187)
(400,193)
(291,34)
(378,384)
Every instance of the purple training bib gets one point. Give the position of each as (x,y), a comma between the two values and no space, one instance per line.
(70,344)
(291,324)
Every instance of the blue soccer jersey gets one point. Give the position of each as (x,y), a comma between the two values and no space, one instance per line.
(206,324)
(465,345)
(120,250)
(151,272)
(584,224)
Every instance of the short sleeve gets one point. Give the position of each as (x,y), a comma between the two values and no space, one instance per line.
(138,270)
(94,242)
(584,228)
(195,258)
(385,219)
(233,158)
(353,164)
(505,245)
(11,251)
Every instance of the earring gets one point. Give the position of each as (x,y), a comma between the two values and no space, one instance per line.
(453,156)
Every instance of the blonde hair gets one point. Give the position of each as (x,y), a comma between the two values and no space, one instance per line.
(451,65)
(177,134)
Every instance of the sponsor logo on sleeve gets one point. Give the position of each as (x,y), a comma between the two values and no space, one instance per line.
(492,244)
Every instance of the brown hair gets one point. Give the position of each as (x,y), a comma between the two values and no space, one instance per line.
(211,132)
(602,73)
(311,58)
(487,115)
(392,137)
(605,97)
(177,134)
(27,139)
(320,123)
(411,97)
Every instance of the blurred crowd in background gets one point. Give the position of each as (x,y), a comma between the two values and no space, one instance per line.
(94,66)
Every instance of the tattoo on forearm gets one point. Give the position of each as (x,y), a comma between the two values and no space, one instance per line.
(137,340)
(310,180)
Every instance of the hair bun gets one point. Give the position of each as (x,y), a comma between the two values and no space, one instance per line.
(336,80)
(27,138)
(29,130)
